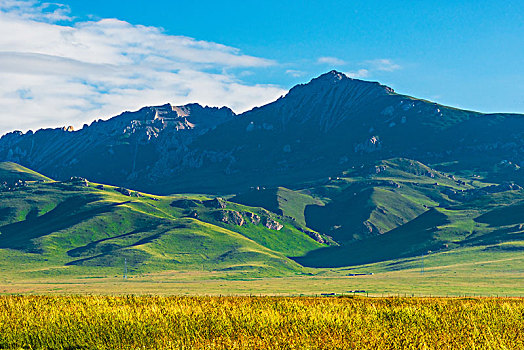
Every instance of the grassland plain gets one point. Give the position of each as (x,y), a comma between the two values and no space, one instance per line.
(152,322)
(472,271)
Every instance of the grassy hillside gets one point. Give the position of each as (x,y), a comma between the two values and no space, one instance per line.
(401,208)
(61,227)
(12,172)
(388,213)
(279,200)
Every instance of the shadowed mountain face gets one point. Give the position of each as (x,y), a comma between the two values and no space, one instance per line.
(317,130)
(129,148)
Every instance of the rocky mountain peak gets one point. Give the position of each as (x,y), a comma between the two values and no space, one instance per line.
(324,103)
(338,80)
(334,76)
(169,117)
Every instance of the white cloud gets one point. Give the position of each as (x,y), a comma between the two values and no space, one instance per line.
(382,64)
(331,61)
(54,74)
(371,67)
(294,73)
(361,73)
(33,9)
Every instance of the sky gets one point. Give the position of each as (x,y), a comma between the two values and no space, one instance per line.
(74,61)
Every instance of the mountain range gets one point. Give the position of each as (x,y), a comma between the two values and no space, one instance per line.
(338,172)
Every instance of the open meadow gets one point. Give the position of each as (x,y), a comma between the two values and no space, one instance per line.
(470,273)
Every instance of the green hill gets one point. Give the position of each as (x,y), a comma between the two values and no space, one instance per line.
(61,227)
(12,172)
(388,212)
(400,209)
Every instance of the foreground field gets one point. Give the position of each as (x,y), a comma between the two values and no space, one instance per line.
(45,322)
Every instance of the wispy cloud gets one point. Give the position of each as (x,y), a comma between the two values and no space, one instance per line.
(371,67)
(55,74)
(294,73)
(361,73)
(382,64)
(331,61)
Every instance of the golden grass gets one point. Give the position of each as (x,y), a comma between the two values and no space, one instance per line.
(152,322)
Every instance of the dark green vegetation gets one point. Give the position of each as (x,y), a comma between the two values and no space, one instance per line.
(401,208)
(260,323)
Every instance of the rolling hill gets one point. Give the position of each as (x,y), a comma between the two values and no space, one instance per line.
(48,226)
(394,209)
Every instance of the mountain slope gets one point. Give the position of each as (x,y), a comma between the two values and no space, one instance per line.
(116,151)
(280,200)
(316,131)
(401,209)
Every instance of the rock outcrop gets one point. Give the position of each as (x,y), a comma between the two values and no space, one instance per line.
(272,224)
(217,203)
(229,217)
(253,218)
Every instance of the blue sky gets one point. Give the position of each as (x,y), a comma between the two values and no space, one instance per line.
(468,54)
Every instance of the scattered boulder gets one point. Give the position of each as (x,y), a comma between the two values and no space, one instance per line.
(127,192)
(369,228)
(380,168)
(478,192)
(4,186)
(236,217)
(254,218)
(272,224)
(124,191)
(392,183)
(371,145)
(508,186)
(79,181)
(314,235)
